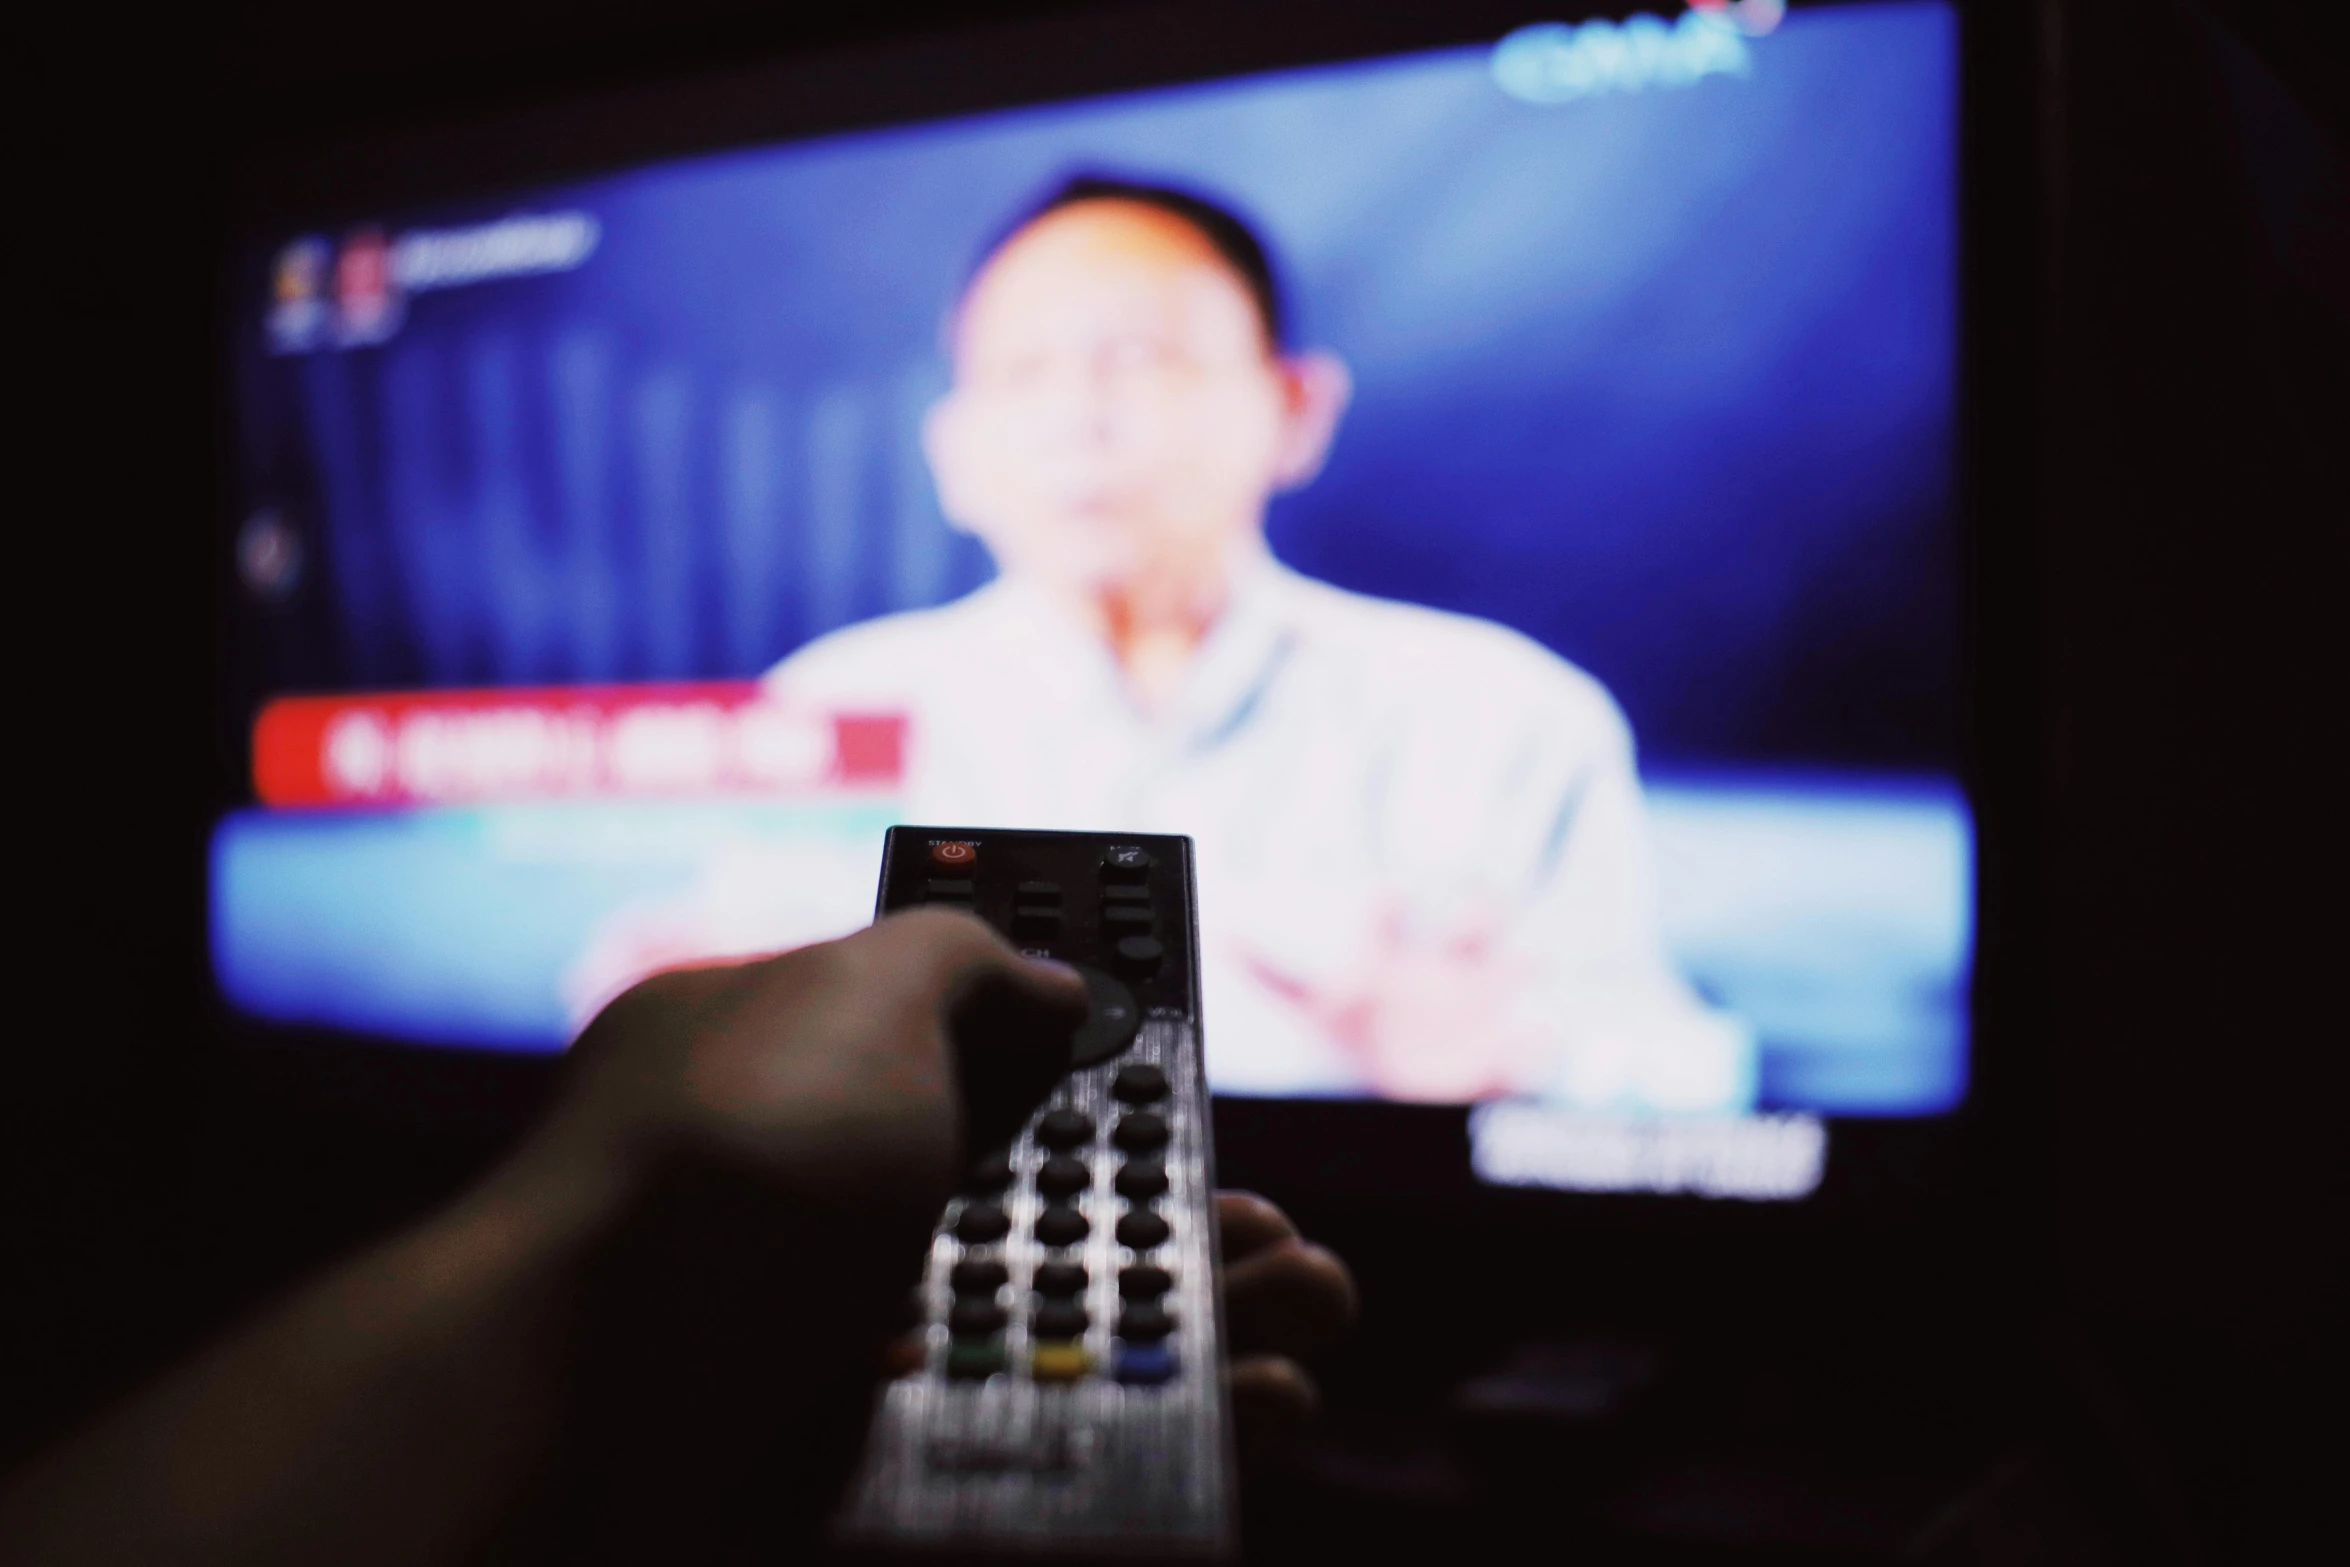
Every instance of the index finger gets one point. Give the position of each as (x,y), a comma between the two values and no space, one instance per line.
(1009,1019)
(949,954)
(1248,1223)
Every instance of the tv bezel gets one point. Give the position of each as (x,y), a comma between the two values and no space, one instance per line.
(1327,1153)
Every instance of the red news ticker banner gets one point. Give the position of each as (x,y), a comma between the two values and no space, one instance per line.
(565,742)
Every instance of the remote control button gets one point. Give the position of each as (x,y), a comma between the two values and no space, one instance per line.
(1141,1131)
(1128,919)
(1128,862)
(1111,1019)
(1059,1279)
(980,1277)
(1037,892)
(1063,1176)
(968,1361)
(1140,1180)
(1059,1362)
(945,890)
(992,1173)
(1064,1129)
(981,1222)
(1146,1365)
(1139,954)
(1041,920)
(957,859)
(1059,1319)
(1117,893)
(1144,1281)
(975,1319)
(1060,1225)
(1142,1229)
(1144,1322)
(1138,1083)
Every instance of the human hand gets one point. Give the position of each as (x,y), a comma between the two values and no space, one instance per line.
(828,1078)
(829,1070)
(785,1133)
(1283,1297)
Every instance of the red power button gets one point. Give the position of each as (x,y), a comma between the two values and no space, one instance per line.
(954,856)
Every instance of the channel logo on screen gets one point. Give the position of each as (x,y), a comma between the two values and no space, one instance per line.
(355,295)
(1556,62)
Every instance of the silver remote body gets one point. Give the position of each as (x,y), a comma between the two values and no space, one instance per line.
(1063,1393)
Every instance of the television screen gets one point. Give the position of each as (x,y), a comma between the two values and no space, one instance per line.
(1499,501)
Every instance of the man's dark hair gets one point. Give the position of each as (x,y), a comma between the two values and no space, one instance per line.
(1231,236)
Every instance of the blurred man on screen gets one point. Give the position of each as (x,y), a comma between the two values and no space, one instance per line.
(1424,870)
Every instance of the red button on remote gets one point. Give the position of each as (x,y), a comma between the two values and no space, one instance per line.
(954,856)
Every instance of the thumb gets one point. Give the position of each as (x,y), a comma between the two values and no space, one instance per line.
(1011,1030)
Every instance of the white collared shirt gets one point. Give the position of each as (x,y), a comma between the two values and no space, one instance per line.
(1365,780)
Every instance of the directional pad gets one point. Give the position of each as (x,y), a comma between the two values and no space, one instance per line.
(1110,1021)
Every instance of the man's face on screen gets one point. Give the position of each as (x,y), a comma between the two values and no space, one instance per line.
(1117,410)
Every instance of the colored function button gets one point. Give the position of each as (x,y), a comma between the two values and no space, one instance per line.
(1140,1180)
(1139,954)
(954,858)
(1145,1322)
(1141,1131)
(981,1222)
(975,1360)
(1058,1362)
(1061,1225)
(1144,1281)
(1064,1129)
(978,1276)
(975,1319)
(1145,1365)
(1138,1083)
(1142,1229)
(1127,862)
(1059,1279)
(1063,1176)
(905,1355)
(1059,1319)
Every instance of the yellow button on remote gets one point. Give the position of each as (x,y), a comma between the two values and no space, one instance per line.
(1058,1362)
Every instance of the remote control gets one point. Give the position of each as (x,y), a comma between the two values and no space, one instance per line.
(1064,1392)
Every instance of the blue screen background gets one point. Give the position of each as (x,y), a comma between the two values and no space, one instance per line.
(1663,379)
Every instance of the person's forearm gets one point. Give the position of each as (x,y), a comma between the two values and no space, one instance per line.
(392,1413)
(469,1390)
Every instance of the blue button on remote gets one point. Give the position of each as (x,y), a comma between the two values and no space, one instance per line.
(1145,1364)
